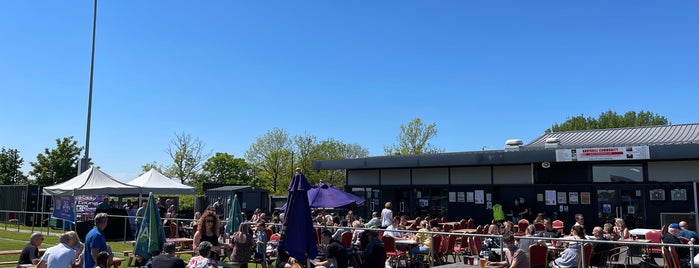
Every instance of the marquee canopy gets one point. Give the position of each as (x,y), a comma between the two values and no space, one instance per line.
(155,182)
(92,181)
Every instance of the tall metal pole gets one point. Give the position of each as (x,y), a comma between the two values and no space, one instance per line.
(83,163)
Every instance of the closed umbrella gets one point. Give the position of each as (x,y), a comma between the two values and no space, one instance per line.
(235,218)
(151,235)
(298,236)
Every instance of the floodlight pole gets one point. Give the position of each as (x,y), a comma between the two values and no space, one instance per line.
(82,165)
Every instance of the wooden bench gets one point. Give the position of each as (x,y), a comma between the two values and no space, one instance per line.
(178,253)
(8,264)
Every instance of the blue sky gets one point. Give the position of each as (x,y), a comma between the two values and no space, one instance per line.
(230,71)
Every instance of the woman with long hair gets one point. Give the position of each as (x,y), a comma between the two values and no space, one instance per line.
(208,229)
(242,243)
(620,228)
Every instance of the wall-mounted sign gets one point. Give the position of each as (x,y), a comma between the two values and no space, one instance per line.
(600,154)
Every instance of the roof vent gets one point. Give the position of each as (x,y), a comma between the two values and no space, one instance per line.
(513,145)
(552,143)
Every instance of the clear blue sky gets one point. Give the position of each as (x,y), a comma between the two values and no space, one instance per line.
(230,71)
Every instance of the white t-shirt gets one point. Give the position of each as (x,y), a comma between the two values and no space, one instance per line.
(386,217)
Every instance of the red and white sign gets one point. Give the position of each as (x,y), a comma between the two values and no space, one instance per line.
(602,154)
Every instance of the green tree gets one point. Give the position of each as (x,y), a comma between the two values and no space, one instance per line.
(153,165)
(57,165)
(10,167)
(331,149)
(272,155)
(225,168)
(610,119)
(187,155)
(414,139)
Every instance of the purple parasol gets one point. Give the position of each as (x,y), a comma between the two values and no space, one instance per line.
(298,235)
(324,195)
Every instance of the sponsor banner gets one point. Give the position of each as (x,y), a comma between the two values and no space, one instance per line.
(87,204)
(602,154)
(63,208)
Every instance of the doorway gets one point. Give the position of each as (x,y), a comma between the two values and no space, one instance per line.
(616,202)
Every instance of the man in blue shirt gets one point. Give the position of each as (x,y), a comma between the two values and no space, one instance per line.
(686,233)
(95,241)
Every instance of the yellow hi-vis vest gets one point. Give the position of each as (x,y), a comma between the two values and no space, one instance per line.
(498,214)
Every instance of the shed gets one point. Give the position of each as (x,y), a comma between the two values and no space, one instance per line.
(250,197)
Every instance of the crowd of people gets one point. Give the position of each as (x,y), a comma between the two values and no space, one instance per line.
(251,240)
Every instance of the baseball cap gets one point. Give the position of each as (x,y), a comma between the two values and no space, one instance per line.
(674,226)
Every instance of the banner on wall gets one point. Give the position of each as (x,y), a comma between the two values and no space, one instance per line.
(605,153)
(63,208)
(87,204)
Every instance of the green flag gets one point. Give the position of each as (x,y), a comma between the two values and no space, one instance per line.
(151,235)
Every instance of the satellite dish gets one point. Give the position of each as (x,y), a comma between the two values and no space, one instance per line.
(545,165)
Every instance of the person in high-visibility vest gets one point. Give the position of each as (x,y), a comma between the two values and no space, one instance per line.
(498,214)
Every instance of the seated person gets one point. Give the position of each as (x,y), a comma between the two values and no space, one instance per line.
(514,257)
(373,251)
(599,250)
(335,252)
(391,230)
(569,257)
(424,240)
(548,230)
(30,253)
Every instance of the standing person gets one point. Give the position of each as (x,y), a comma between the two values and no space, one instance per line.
(515,211)
(203,260)
(514,257)
(335,252)
(218,207)
(498,213)
(104,204)
(30,253)
(140,213)
(168,258)
(95,241)
(386,215)
(523,209)
(208,230)
(242,243)
(61,255)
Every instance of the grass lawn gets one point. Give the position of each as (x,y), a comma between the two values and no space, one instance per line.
(11,239)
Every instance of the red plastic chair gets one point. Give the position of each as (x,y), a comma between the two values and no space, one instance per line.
(392,253)
(470,223)
(654,237)
(675,257)
(539,227)
(451,249)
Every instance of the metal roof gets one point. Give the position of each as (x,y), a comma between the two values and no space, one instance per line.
(648,135)
(665,142)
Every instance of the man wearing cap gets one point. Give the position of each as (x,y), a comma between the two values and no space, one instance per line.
(670,237)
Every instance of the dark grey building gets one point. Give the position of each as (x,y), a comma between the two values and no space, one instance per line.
(631,173)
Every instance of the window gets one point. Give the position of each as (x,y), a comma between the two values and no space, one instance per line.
(617,173)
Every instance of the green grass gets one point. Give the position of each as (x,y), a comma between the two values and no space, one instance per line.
(11,239)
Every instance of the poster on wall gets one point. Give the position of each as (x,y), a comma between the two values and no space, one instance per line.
(469,197)
(572,197)
(539,197)
(452,197)
(550,197)
(585,198)
(657,195)
(461,197)
(678,195)
(561,198)
(479,197)
(603,154)
(488,197)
